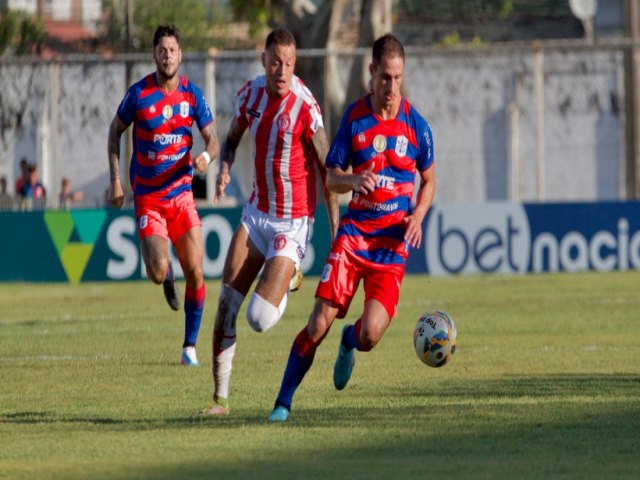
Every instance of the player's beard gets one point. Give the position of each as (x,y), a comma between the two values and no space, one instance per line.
(167,72)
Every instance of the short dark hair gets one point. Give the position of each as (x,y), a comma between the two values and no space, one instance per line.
(166,31)
(387,44)
(280,36)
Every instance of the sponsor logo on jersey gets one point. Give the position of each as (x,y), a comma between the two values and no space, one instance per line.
(279,242)
(184,109)
(284,122)
(163,158)
(144,221)
(384,181)
(335,256)
(167,138)
(152,109)
(167,111)
(401,146)
(253,113)
(379,143)
(362,138)
(376,206)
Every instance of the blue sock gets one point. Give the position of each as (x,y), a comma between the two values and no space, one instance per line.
(350,336)
(301,357)
(193,307)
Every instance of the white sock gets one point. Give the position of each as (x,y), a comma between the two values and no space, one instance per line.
(224,339)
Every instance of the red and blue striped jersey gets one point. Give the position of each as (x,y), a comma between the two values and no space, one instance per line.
(396,148)
(161,162)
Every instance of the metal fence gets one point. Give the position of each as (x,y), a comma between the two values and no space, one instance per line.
(524,122)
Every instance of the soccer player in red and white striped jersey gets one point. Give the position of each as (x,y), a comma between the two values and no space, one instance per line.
(163,107)
(289,144)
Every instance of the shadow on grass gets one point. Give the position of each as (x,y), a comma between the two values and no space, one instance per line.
(537,386)
(365,401)
(399,434)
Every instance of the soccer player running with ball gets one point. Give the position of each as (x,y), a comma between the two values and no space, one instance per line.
(289,143)
(163,107)
(385,141)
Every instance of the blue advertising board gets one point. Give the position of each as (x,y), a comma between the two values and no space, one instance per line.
(489,238)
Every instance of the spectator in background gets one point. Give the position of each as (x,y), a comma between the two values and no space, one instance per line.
(6,201)
(67,196)
(23,177)
(32,191)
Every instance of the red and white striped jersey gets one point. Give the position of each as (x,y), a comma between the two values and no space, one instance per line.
(284,178)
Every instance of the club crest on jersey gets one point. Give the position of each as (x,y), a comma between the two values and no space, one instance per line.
(362,138)
(144,221)
(152,109)
(284,122)
(379,143)
(184,109)
(279,242)
(167,111)
(401,146)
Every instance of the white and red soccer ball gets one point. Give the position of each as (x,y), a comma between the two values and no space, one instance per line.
(435,338)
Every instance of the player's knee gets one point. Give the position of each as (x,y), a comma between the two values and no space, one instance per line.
(193,275)
(156,275)
(261,315)
(367,341)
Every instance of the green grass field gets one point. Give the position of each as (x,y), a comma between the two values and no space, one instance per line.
(545,384)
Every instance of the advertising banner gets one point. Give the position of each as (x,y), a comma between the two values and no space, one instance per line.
(491,238)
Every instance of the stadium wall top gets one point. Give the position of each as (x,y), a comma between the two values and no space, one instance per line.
(606,43)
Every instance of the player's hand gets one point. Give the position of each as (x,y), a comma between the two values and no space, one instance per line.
(222,181)
(365,181)
(200,163)
(116,194)
(413,230)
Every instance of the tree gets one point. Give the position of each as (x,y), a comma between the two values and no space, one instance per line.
(129,25)
(20,33)
(321,25)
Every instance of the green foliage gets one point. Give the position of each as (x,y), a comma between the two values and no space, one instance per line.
(195,20)
(255,12)
(188,15)
(544,385)
(20,33)
(478,10)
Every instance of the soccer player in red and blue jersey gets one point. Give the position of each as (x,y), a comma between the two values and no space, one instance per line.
(163,107)
(386,142)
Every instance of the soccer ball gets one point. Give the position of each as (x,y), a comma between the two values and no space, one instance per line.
(435,338)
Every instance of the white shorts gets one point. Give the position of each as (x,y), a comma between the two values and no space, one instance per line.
(277,237)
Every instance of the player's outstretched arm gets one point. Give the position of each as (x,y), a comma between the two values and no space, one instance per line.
(116,193)
(227,157)
(413,232)
(320,150)
(211,150)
